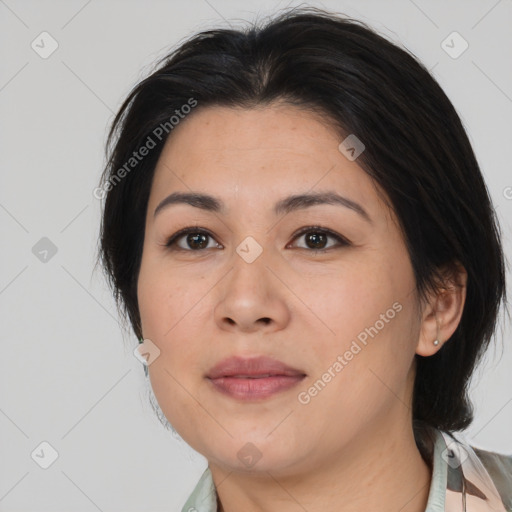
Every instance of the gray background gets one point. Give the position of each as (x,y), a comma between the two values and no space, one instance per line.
(68,375)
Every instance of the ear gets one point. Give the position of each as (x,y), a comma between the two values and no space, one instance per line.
(442,312)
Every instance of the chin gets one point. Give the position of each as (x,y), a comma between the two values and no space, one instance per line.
(258,455)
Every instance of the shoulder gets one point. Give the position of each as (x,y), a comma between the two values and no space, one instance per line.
(486,475)
(204,495)
(499,469)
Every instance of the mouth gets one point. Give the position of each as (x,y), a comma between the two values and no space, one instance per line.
(255,388)
(253,378)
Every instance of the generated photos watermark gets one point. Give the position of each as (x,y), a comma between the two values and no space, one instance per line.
(304,397)
(152,140)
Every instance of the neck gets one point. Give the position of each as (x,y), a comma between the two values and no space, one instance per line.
(380,469)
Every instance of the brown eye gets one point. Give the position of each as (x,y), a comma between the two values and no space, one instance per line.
(193,240)
(197,240)
(316,238)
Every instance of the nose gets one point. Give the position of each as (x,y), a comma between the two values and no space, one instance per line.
(251,298)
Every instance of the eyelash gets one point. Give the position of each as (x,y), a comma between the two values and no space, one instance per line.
(342,242)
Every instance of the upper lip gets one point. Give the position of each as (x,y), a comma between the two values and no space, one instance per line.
(249,367)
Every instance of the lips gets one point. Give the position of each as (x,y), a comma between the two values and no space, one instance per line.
(253,379)
(252,368)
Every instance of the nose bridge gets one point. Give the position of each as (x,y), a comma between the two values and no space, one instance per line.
(250,261)
(250,250)
(251,295)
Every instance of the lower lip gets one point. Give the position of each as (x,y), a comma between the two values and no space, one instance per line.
(254,389)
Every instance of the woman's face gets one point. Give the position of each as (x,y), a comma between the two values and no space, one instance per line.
(249,283)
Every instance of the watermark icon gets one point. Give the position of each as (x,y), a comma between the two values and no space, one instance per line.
(44,250)
(507,192)
(304,397)
(44,45)
(249,249)
(351,147)
(454,454)
(147,352)
(152,140)
(454,45)
(44,455)
(249,454)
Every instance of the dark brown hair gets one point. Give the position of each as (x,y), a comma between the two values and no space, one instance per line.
(417,152)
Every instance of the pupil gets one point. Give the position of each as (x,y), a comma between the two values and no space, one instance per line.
(317,239)
(199,238)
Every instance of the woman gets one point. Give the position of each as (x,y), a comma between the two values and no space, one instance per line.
(298,230)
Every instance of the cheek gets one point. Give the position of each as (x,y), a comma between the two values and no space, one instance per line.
(352,298)
(172,317)
(174,314)
(368,319)
(166,297)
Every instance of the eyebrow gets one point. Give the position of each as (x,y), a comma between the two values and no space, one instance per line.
(284,206)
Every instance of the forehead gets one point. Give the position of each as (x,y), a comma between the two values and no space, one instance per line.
(212,131)
(257,153)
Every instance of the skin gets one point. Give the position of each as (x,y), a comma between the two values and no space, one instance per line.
(352,446)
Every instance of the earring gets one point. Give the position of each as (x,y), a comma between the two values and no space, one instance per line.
(146,371)
(436,342)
